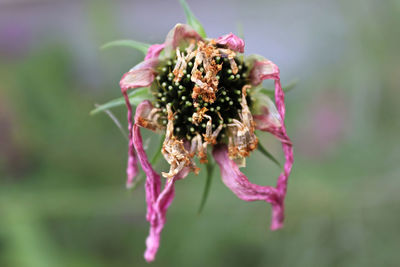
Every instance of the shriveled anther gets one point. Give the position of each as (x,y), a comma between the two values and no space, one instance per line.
(242,139)
(207,85)
(174,151)
(180,66)
(231,56)
(198,116)
(149,119)
(210,137)
(198,146)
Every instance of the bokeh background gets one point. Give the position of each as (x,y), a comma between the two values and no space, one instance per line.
(63,200)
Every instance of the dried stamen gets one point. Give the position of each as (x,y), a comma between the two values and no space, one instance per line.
(205,86)
(243,139)
(174,151)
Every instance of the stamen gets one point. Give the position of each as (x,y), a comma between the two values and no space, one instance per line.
(197,117)
(203,81)
(174,151)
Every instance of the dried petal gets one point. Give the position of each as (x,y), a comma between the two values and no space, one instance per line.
(137,78)
(153,181)
(244,189)
(157,222)
(147,116)
(232,42)
(154,51)
(141,75)
(157,203)
(180,33)
(262,69)
(265,69)
(270,116)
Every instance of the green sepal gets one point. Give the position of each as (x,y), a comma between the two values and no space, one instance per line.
(210,169)
(116,122)
(271,92)
(266,153)
(192,20)
(135,97)
(142,47)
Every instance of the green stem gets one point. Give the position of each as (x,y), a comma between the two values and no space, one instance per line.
(210,169)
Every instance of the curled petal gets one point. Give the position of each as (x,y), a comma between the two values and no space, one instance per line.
(157,203)
(263,69)
(179,34)
(142,111)
(137,78)
(154,51)
(140,76)
(150,63)
(270,116)
(244,189)
(132,168)
(157,222)
(232,42)
(153,181)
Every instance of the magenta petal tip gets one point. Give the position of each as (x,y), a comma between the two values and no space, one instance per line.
(232,42)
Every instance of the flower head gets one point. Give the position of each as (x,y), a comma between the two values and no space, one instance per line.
(205,95)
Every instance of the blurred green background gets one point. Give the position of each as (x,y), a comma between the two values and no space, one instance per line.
(63,200)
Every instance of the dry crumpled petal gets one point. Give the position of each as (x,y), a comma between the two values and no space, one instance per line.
(269,120)
(157,222)
(153,181)
(232,42)
(141,75)
(154,51)
(157,203)
(245,190)
(179,34)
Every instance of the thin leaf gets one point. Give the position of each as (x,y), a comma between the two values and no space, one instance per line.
(210,169)
(265,152)
(142,47)
(135,97)
(116,122)
(192,20)
(239,29)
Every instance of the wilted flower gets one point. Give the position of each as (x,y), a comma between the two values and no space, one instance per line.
(204,93)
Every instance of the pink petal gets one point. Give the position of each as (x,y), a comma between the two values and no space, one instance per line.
(154,51)
(132,168)
(265,69)
(232,42)
(150,63)
(137,78)
(141,75)
(157,222)
(179,34)
(270,115)
(157,203)
(243,189)
(153,182)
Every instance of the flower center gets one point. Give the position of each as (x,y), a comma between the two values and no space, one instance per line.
(208,97)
